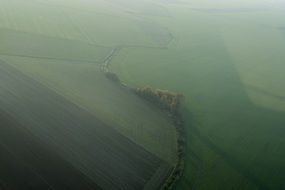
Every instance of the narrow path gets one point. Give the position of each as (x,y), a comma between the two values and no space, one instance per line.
(49,58)
(265,92)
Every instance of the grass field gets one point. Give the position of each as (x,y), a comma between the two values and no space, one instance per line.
(227,59)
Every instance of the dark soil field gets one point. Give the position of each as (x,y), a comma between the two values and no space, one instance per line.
(89,149)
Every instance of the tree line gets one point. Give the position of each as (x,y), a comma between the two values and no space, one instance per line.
(112,76)
(170,102)
(165,99)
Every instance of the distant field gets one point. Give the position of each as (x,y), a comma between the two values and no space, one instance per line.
(73,22)
(22,44)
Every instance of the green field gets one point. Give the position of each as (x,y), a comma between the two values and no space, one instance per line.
(228,61)
(226,57)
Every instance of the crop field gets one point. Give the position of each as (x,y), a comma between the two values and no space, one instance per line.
(102,154)
(145,125)
(225,56)
(18,160)
(56,98)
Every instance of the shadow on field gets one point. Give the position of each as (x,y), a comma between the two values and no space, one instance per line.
(227,157)
(265,92)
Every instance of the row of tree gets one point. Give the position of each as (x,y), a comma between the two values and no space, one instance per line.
(112,76)
(166,100)
(178,169)
(170,102)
